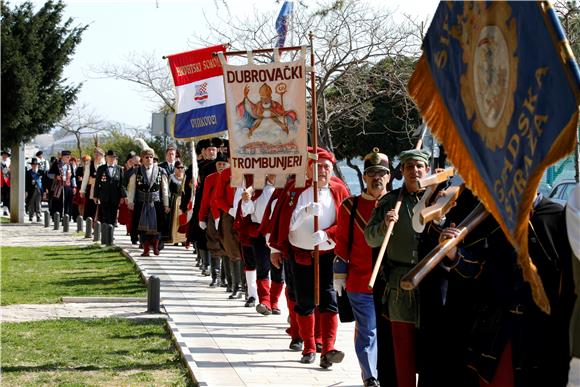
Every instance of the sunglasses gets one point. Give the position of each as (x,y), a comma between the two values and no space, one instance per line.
(377,173)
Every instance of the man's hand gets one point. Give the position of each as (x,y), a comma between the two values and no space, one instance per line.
(246,91)
(313,209)
(97,201)
(391,216)
(319,237)
(202,225)
(339,284)
(276,260)
(82,194)
(130,206)
(448,233)
(167,209)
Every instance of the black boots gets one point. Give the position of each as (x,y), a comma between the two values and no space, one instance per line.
(236,270)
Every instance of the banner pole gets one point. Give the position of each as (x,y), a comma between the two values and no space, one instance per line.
(314,135)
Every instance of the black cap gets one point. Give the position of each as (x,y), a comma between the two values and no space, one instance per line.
(216,142)
(39,153)
(65,153)
(5,153)
(221,157)
(33,161)
(111,152)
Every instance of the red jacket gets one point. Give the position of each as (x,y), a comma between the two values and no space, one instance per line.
(206,206)
(224,194)
(286,205)
(357,253)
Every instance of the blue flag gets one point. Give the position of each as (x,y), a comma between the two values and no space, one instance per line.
(499,86)
(282,22)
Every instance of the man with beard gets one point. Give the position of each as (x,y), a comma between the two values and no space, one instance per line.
(400,306)
(353,264)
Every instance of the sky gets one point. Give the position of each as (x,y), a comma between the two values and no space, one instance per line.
(119,29)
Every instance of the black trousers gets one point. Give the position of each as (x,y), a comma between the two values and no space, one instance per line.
(289,279)
(263,266)
(304,286)
(108,212)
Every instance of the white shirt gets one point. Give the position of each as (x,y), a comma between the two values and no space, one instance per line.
(302,227)
(257,207)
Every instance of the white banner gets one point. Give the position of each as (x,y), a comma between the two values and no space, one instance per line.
(266,110)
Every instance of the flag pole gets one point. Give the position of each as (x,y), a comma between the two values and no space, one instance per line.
(314,134)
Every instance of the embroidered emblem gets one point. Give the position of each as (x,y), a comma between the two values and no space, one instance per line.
(490,79)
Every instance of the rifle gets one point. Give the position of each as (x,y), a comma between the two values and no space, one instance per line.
(412,279)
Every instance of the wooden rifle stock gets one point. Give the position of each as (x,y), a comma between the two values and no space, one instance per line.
(412,279)
(383,249)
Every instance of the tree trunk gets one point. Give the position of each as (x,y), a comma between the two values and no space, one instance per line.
(358,173)
(78,137)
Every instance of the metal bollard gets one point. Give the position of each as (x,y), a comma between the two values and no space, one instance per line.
(56,221)
(110,234)
(79,223)
(97,232)
(65,223)
(153,295)
(89,228)
(104,233)
(46,219)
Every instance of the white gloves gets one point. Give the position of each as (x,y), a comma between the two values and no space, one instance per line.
(232,212)
(574,373)
(217,223)
(339,285)
(202,225)
(247,208)
(313,209)
(319,237)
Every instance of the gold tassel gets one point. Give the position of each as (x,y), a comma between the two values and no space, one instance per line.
(424,91)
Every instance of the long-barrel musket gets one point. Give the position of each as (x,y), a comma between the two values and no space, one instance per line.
(412,279)
(431,180)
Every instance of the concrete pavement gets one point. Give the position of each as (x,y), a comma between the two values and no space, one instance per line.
(223,342)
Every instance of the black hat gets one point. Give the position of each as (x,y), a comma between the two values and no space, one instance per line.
(33,161)
(111,152)
(5,153)
(39,153)
(202,144)
(221,157)
(65,153)
(376,160)
(216,142)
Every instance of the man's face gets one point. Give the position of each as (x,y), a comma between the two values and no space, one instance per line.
(4,157)
(98,156)
(147,160)
(324,171)
(110,160)
(413,170)
(376,181)
(65,159)
(170,155)
(210,153)
(221,165)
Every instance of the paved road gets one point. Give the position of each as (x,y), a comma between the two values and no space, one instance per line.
(223,342)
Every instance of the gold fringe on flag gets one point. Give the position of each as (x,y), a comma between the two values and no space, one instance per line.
(424,91)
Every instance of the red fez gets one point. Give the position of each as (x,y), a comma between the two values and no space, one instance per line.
(324,154)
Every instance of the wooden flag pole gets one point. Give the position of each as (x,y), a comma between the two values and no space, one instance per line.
(314,134)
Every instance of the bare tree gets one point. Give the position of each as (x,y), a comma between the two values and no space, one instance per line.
(350,37)
(79,121)
(149,73)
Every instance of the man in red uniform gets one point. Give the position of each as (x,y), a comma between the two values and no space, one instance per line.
(354,259)
(294,234)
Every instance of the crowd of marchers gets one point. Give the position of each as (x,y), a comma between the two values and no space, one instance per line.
(471,322)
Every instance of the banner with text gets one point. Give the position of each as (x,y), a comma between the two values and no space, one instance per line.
(266,110)
(200,102)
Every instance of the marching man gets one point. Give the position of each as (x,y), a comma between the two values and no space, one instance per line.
(353,263)
(293,234)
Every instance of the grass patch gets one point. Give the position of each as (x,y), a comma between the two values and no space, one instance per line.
(42,275)
(4,220)
(103,352)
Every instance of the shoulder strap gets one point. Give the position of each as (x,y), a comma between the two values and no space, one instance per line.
(351,223)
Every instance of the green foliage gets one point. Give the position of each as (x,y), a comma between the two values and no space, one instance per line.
(35,49)
(45,274)
(390,116)
(103,352)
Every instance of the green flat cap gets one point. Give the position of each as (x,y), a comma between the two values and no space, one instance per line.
(415,154)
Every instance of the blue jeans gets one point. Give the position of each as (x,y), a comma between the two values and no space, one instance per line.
(365,342)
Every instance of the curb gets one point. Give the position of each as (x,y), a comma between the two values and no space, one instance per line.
(82,300)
